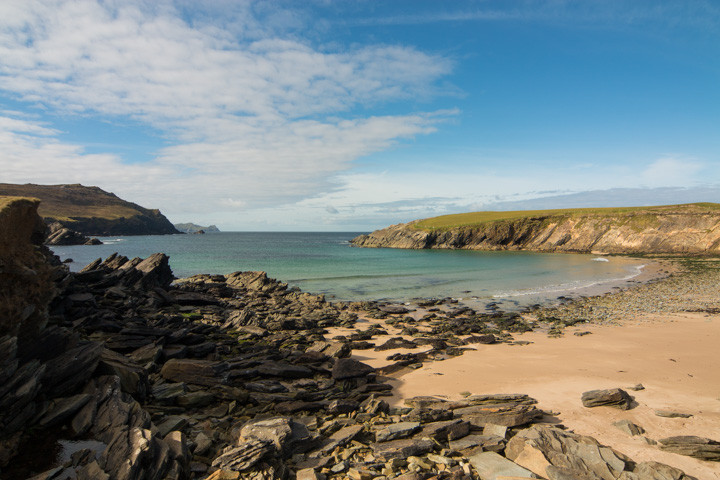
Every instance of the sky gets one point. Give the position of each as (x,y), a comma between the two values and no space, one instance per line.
(342,115)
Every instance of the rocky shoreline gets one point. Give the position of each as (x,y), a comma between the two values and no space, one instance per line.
(138,376)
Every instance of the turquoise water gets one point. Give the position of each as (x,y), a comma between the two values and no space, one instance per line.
(326,263)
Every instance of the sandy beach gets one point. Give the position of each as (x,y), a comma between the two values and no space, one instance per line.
(642,335)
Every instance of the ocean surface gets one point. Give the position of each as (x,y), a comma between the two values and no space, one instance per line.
(326,263)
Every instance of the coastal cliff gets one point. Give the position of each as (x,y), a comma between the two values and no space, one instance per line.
(686,229)
(91,211)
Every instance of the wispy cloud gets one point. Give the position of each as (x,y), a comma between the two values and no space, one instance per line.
(251,116)
(574,13)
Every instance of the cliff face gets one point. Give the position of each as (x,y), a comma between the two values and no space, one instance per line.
(26,285)
(685,229)
(92,211)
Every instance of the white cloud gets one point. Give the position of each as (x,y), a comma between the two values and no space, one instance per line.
(666,172)
(251,117)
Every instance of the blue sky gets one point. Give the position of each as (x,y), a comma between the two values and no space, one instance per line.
(352,115)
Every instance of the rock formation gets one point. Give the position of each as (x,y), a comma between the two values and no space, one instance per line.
(686,229)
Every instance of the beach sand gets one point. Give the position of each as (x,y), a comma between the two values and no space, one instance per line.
(676,359)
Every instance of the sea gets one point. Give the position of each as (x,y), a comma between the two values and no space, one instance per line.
(327,263)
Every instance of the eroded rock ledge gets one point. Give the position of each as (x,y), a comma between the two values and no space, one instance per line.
(684,229)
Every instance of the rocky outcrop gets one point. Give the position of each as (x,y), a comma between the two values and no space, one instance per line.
(60,235)
(91,211)
(686,229)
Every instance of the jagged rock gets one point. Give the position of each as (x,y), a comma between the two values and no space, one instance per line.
(401,448)
(195,372)
(288,437)
(394,343)
(337,439)
(629,427)
(156,271)
(567,453)
(331,349)
(61,235)
(342,406)
(395,431)
(149,353)
(61,409)
(509,415)
(692,446)
(491,443)
(66,373)
(133,377)
(447,430)
(614,397)
(244,456)
(348,368)
(166,393)
(654,471)
(427,415)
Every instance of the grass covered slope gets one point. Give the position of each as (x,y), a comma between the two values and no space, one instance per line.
(91,210)
(690,229)
(631,214)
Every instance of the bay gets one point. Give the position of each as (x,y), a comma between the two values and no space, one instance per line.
(327,263)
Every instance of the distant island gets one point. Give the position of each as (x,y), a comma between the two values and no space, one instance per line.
(74,212)
(686,229)
(192,228)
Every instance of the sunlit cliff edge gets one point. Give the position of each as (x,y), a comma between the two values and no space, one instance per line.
(676,229)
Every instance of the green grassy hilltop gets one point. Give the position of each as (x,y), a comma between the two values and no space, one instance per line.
(459,220)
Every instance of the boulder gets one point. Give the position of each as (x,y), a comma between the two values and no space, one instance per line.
(345,368)
(614,397)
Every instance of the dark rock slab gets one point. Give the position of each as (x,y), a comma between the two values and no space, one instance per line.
(509,415)
(386,451)
(348,368)
(394,431)
(195,372)
(692,446)
(394,343)
(62,409)
(133,377)
(66,373)
(480,339)
(285,370)
(614,397)
(447,430)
